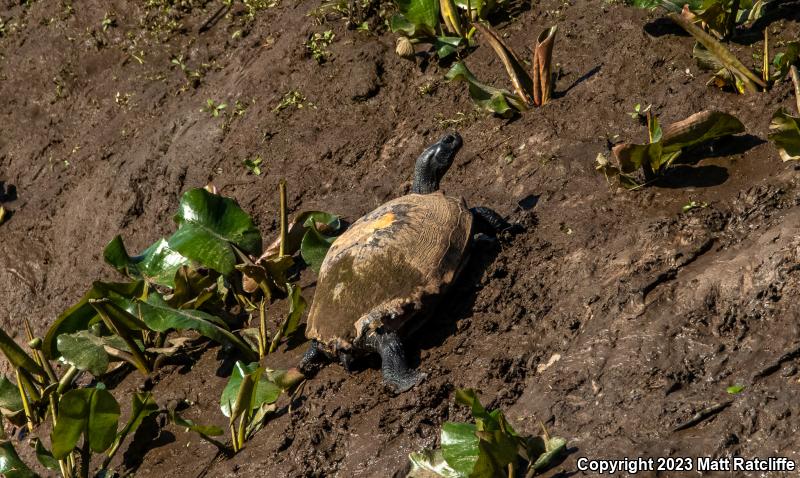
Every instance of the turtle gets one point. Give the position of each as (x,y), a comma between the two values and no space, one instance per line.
(389,265)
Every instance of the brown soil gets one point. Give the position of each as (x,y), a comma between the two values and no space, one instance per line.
(613,319)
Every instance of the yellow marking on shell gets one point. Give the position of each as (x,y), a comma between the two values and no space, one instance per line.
(381,223)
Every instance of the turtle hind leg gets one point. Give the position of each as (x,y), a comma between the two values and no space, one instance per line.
(393,361)
(314,356)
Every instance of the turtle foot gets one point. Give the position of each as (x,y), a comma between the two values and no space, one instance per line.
(405,381)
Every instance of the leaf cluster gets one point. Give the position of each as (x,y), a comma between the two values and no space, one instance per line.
(487,448)
(665,146)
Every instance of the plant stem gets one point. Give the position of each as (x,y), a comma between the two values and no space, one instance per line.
(241,436)
(67,379)
(86,458)
(765,60)
(25,405)
(233,438)
(796,81)
(262,329)
(284,220)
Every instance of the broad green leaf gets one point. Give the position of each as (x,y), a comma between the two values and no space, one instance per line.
(460,446)
(73,413)
(784,131)
(79,316)
(45,457)
(547,449)
(314,248)
(157,264)
(489,98)
(17,356)
(11,466)
(266,391)
(320,229)
(90,411)
(422,14)
(446,46)
(699,128)
(87,351)
(159,316)
(10,400)
(497,450)
(400,24)
(430,464)
(207,226)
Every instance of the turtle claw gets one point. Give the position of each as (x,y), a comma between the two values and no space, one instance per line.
(406,381)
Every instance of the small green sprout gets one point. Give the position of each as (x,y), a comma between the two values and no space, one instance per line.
(318,44)
(109,20)
(694,205)
(734,389)
(638,111)
(213,108)
(292,98)
(254,165)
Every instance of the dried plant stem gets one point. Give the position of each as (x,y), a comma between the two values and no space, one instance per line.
(796,81)
(284,220)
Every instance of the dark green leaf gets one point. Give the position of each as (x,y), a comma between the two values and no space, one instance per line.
(87,351)
(45,457)
(318,238)
(79,316)
(400,24)
(159,316)
(11,466)
(460,446)
(157,264)
(73,413)
(446,46)
(549,448)
(422,14)
(495,100)
(103,420)
(266,391)
(784,131)
(699,128)
(207,226)
(17,356)
(203,430)
(10,400)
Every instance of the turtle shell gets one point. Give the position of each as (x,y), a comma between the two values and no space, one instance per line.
(386,264)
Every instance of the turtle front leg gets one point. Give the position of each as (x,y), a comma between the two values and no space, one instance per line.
(489,222)
(393,361)
(312,358)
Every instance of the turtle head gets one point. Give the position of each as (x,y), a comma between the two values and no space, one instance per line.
(434,162)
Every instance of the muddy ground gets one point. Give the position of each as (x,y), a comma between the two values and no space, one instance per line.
(612,320)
